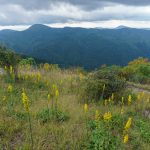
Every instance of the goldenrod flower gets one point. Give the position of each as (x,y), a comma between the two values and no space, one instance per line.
(129,99)
(107,116)
(128,124)
(125,138)
(5,68)
(139,97)
(85,108)
(10,88)
(56,93)
(11,70)
(97,115)
(54,87)
(38,77)
(48,97)
(25,101)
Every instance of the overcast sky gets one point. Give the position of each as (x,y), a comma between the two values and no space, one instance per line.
(20,14)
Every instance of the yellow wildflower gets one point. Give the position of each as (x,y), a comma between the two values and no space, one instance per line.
(112,96)
(139,97)
(54,87)
(107,116)
(38,77)
(56,93)
(97,115)
(48,97)
(128,124)
(125,138)
(11,70)
(25,101)
(9,88)
(85,108)
(129,99)
(5,68)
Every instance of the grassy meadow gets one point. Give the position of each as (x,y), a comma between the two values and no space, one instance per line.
(43,110)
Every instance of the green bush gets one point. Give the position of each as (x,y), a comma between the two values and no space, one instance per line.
(27,61)
(92,87)
(106,135)
(137,71)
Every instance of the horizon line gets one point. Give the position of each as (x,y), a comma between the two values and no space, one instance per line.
(111,24)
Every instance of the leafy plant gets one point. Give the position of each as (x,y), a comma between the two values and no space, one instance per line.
(143,127)
(103,138)
(46,115)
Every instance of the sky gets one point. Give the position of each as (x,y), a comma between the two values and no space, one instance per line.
(20,14)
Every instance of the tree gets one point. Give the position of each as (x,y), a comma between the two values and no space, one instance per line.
(9,58)
(28,61)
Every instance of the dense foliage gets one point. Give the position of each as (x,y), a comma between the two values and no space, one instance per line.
(102,83)
(27,61)
(137,71)
(8,58)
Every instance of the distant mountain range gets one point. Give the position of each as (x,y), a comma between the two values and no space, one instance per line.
(88,48)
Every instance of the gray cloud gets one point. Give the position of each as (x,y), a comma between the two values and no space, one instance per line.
(88,4)
(15,12)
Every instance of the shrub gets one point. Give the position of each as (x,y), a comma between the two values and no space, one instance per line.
(137,71)
(27,61)
(93,84)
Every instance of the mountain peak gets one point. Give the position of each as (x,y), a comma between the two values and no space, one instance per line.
(121,27)
(37,27)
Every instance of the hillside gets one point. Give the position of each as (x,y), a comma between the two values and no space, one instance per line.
(88,48)
(44,110)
